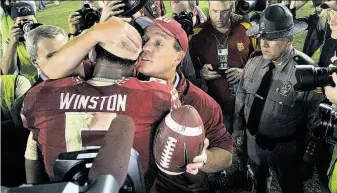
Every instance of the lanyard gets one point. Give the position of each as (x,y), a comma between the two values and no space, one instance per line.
(216,38)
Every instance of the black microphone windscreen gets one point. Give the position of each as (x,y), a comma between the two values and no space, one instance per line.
(114,155)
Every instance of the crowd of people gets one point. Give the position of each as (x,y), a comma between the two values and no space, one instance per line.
(235,68)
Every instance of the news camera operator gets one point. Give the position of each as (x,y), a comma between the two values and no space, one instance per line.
(16,59)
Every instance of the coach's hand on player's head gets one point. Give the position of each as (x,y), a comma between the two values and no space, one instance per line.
(119,38)
(198,161)
(111,8)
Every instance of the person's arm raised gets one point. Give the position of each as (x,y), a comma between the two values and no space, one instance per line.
(115,35)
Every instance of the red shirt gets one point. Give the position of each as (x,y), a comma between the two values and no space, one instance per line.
(216,132)
(70,114)
(203,50)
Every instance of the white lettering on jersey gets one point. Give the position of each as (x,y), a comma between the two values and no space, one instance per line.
(103,102)
(93,100)
(121,102)
(116,102)
(76,102)
(83,102)
(65,101)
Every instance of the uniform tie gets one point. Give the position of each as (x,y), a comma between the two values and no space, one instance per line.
(259,100)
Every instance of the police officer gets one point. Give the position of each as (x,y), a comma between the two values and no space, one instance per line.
(269,109)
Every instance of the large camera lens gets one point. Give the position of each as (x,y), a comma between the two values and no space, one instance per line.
(30,26)
(310,77)
(91,18)
(186,21)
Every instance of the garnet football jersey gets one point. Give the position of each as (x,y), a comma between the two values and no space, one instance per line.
(70,114)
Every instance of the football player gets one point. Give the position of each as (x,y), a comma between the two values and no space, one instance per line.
(71,114)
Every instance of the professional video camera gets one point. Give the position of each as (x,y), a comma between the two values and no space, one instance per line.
(74,167)
(186,20)
(90,16)
(71,171)
(310,77)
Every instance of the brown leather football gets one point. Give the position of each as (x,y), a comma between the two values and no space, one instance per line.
(179,138)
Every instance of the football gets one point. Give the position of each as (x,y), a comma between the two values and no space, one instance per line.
(179,138)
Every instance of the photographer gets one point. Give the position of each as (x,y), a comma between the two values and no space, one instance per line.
(103,10)
(188,10)
(318,30)
(331,93)
(329,48)
(154,9)
(16,59)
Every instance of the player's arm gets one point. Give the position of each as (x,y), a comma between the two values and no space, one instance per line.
(121,38)
(34,166)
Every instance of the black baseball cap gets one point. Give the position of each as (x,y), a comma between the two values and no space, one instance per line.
(21,9)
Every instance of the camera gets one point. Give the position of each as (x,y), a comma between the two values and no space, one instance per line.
(323,133)
(309,77)
(24,23)
(90,16)
(186,21)
(74,167)
(243,7)
(26,26)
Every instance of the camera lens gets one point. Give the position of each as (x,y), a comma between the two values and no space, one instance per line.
(309,77)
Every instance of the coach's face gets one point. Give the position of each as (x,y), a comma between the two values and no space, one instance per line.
(46,48)
(159,58)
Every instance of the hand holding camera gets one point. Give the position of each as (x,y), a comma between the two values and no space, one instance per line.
(111,8)
(90,16)
(16,33)
(75,21)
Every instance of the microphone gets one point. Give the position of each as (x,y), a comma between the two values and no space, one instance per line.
(114,155)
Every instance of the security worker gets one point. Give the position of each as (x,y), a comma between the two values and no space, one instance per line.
(269,109)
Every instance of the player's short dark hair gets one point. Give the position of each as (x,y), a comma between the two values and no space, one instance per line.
(107,57)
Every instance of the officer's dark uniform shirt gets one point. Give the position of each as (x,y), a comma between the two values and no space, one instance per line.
(284,108)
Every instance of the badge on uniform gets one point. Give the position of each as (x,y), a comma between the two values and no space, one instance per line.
(222,56)
(285,88)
